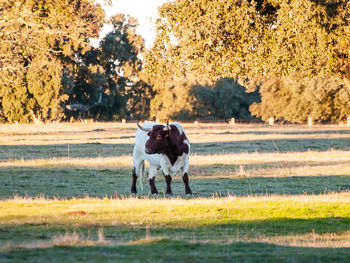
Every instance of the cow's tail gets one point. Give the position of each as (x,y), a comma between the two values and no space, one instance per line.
(142,173)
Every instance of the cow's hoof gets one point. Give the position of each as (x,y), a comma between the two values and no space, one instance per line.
(169,194)
(133,194)
(188,195)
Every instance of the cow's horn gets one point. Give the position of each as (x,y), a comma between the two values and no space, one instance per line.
(167,127)
(144,129)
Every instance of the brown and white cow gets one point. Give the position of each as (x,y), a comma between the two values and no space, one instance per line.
(164,147)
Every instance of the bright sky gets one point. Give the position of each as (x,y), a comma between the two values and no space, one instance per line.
(144,10)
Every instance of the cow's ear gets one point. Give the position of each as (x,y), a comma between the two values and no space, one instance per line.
(149,133)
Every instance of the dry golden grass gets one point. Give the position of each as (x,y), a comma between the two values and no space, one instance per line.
(308,163)
(312,239)
(116,133)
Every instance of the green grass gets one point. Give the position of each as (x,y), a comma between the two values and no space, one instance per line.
(261,194)
(173,227)
(69,182)
(174,212)
(166,250)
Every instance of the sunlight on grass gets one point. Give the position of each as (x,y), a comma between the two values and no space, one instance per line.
(125,161)
(174,212)
(118,133)
(308,240)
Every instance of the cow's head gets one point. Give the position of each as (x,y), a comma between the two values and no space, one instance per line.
(158,138)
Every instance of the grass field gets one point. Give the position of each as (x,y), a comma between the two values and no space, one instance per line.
(260,194)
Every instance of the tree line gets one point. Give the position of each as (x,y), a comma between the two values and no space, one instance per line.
(50,71)
(210,60)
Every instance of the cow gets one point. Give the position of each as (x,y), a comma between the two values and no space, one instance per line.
(164,147)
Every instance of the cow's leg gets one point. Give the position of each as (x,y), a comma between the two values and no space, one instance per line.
(138,164)
(168,182)
(133,184)
(152,172)
(139,167)
(187,186)
(154,190)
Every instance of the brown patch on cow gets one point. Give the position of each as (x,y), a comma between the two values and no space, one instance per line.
(77,213)
(158,140)
(171,143)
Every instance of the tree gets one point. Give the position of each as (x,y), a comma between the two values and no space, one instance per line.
(308,38)
(108,79)
(226,99)
(185,100)
(296,99)
(239,38)
(173,104)
(206,40)
(309,50)
(274,40)
(40,40)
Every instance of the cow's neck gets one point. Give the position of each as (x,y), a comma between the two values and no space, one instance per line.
(176,145)
(172,153)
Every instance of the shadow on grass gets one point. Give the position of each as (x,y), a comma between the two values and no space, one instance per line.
(197,230)
(291,185)
(168,248)
(269,145)
(63,182)
(305,131)
(71,182)
(83,150)
(92,150)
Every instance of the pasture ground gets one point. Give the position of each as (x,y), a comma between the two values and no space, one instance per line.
(261,194)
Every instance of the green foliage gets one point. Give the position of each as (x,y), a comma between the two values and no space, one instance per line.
(206,39)
(296,99)
(15,100)
(234,38)
(46,60)
(342,101)
(226,99)
(184,100)
(44,85)
(304,42)
(108,78)
(39,42)
(204,104)
(309,38)
(171,100)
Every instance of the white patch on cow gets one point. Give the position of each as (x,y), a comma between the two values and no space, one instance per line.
(178,166)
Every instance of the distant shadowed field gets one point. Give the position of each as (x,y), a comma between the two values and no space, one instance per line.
(260,194)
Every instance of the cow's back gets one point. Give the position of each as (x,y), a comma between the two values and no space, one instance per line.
(182,131)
